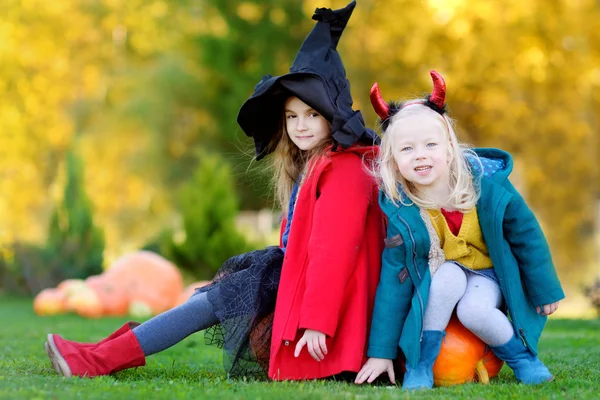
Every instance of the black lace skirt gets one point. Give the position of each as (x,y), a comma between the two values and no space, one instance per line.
(244,304)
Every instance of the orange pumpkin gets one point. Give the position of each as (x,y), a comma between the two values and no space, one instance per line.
(139,310)
(85,303)
(70,286)
(189,291)
(260,340)
(464,358)
(49,302)
(148,278)
(112,296)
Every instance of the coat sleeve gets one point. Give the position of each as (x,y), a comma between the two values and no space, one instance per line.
(344,197)
(392,303)
(531,250)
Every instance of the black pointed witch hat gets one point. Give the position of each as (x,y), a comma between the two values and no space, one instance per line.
(318,78)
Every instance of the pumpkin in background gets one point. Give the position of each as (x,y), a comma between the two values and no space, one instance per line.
(49,302)
(148,278)
(139,310)
(464,358)
(85,303)
(112,296)
(69,287)
(189,291)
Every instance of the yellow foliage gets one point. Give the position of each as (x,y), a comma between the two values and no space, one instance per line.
(522,76)
(250,12)
(56,55)
(277,16)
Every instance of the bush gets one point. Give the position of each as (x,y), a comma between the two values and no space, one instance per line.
(73,239)
(27,269)
(208,205)
(74,248)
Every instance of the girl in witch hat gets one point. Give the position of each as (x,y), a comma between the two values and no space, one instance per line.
(459,236)
(299,310)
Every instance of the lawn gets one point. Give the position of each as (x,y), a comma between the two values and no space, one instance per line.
(190,370)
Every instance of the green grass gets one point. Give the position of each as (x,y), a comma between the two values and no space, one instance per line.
(190,370)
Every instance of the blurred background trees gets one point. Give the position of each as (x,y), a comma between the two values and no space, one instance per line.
(522,76)
(208,205)
(74,247)
(152,87)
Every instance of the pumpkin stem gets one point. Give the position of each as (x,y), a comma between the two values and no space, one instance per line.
(482,373)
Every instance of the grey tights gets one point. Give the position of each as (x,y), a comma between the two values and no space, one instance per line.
(477,300)
(172,326)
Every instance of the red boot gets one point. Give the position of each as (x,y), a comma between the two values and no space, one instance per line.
(125,328)
(113,355)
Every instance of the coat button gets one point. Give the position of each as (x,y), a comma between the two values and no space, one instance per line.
(287,343)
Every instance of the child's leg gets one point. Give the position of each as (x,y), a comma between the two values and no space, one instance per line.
(129,349)
(479,312)
(171,327)
(448,285)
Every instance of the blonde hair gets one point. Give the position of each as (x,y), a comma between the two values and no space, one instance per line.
(288,161)
(463,194)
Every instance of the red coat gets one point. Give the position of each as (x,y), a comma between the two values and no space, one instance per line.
(330,270)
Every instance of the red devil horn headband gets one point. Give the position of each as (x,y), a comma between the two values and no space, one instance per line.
(438,96)
(435,100)
(379,104)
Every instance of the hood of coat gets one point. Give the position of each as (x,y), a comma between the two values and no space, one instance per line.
(497,164)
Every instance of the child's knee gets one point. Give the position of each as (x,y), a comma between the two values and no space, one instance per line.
(471,314)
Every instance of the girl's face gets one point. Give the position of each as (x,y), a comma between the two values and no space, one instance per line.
(305,127)
(421,152)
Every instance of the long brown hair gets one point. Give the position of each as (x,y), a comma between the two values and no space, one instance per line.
(288,161)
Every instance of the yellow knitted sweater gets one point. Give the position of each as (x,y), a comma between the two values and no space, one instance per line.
(468,247)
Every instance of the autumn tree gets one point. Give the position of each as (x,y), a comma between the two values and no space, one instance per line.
(147,83)
(75,243)
(522,76)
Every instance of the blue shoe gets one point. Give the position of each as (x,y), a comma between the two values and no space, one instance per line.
(527,367)
(421,377)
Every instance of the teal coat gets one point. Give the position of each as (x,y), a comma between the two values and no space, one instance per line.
(517,247)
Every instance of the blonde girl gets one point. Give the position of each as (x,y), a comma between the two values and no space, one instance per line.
(460,239)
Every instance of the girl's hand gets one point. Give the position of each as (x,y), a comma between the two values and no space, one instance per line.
(547,309)
(373,368)
(315,344)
